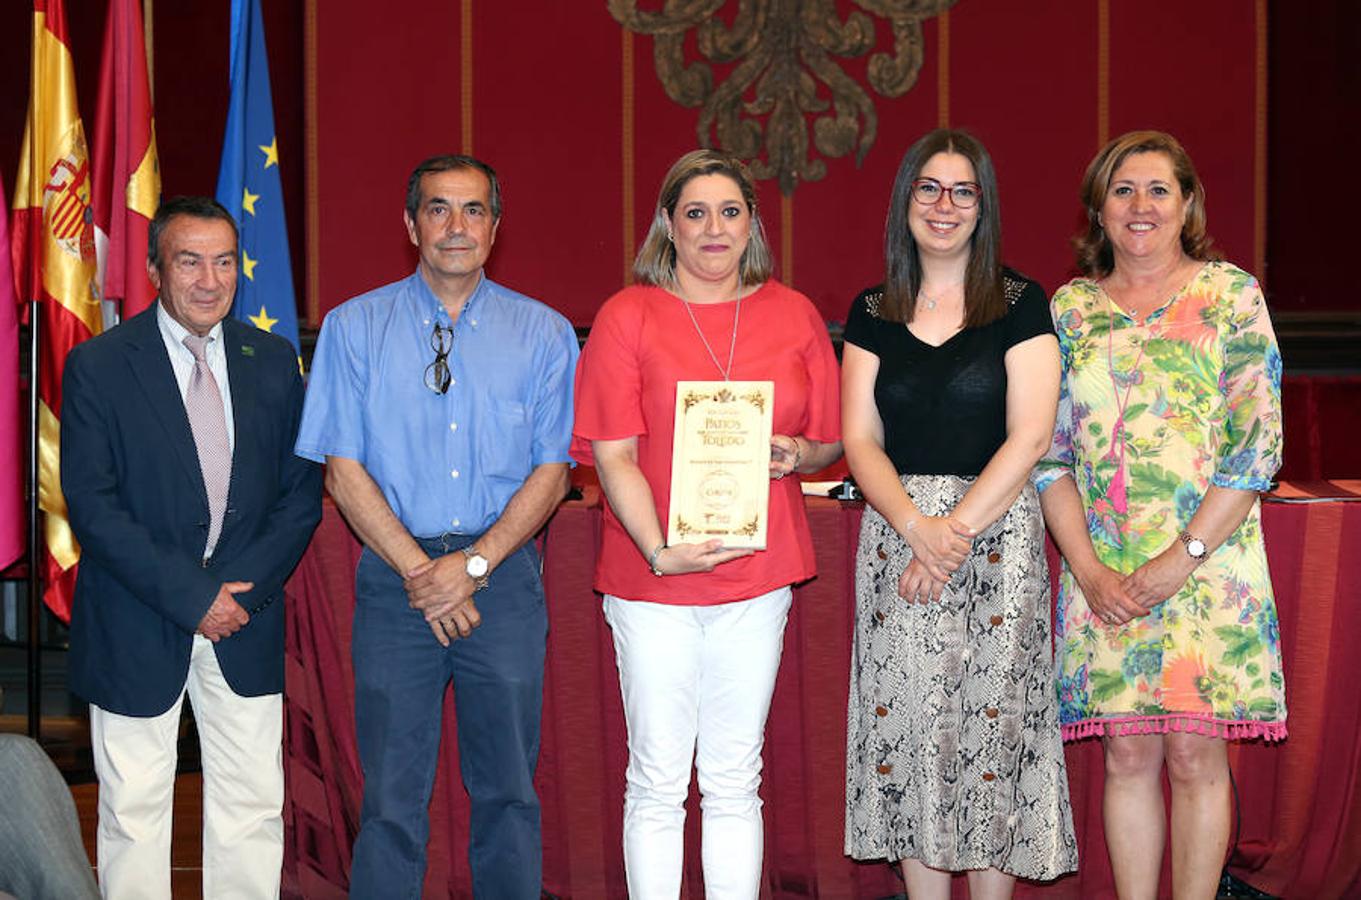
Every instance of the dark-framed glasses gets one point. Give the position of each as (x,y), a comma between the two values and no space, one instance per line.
(437,376)
(963,194)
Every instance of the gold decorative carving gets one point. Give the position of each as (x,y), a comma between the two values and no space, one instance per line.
(784,55)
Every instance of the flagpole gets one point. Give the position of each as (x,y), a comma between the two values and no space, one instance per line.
(148,17)
(35,593)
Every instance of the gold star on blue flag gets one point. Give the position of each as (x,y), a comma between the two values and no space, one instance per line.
(248,183)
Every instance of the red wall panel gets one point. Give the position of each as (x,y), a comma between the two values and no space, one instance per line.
(546,113)
(1024,79)
(1190,68)
(582,131)
(387,95)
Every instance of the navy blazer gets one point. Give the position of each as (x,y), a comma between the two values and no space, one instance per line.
(138,507)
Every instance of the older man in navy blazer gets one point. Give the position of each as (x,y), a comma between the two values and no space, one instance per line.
(191,511)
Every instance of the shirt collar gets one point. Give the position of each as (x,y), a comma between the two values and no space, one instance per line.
(472,307)
(176,333)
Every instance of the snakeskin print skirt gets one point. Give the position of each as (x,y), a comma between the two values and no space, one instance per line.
(953,754)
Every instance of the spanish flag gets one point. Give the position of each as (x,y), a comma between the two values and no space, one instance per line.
(127,178)
(54,261)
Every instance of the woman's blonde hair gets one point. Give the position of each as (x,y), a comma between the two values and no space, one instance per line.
(655,263)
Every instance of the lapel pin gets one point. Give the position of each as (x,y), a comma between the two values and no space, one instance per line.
(247,350)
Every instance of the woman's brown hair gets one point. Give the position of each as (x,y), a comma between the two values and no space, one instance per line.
(984,301)
(1095,256)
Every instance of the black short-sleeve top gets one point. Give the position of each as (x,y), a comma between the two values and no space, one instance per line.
(944,408)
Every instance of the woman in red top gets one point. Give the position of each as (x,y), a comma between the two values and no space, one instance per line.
(697,628)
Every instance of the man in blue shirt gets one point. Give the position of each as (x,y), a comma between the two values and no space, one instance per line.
(442,406)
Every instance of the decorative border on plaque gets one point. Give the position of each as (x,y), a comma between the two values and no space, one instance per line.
(720,466)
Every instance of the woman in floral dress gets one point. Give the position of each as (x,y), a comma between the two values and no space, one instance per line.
(1169,426)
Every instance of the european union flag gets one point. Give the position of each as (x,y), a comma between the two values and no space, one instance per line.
(248,183)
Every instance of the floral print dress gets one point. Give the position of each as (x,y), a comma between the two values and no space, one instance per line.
(1151,414)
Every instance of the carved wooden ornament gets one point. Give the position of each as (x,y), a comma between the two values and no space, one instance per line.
(785,55)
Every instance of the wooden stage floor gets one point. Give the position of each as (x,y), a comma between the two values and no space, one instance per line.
(186,848)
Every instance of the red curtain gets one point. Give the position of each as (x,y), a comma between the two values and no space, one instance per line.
(1321,427)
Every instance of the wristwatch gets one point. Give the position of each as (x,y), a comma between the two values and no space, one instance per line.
(477,567)
(1195,547)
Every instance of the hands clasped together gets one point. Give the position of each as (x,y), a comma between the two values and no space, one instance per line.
(1116,599)
(940,544)
(225,617)
(442,590)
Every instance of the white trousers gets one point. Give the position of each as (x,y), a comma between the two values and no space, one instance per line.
(696,683)
(243,790)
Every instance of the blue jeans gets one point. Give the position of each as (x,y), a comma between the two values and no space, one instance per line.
(400,674)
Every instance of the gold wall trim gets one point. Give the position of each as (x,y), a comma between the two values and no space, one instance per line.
(943,71)
(1259,155)
(465,28)
(787,239)
(626,148)
(311,178)
(1103,72)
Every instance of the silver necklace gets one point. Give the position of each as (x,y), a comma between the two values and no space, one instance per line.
(931,301)
(732,347)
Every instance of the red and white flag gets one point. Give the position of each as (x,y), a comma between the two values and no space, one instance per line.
(127,177)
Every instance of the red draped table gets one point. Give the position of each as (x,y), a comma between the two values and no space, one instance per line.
(1300,800)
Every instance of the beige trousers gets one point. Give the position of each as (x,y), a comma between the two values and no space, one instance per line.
(243,790)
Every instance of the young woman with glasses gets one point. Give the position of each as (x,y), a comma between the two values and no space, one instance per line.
(950,379)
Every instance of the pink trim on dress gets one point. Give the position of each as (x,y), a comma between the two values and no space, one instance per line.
(1192,723)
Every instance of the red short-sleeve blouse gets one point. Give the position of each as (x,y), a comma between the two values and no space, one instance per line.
(642,342)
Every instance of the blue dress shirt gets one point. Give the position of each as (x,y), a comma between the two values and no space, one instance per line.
(451,462)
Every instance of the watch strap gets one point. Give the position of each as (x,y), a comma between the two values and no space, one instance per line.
(1187,540)
(479,581)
